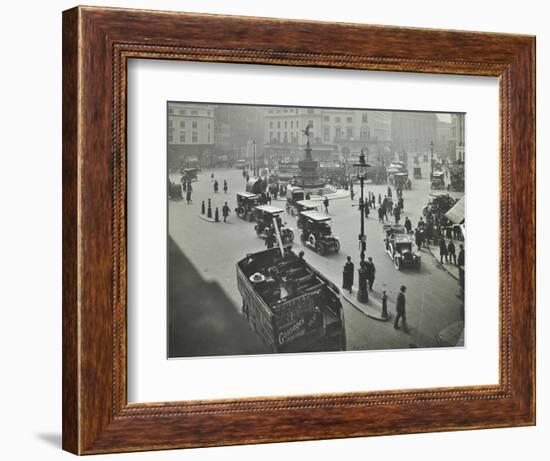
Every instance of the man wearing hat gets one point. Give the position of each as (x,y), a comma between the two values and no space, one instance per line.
(400,309)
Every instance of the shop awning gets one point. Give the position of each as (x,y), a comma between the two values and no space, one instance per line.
(456,213)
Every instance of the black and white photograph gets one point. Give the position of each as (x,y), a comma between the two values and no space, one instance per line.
(313,229)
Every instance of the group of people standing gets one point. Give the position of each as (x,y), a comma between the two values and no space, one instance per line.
(217,186)
(349,271)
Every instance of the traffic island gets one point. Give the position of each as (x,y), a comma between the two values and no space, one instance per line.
(207,219)
(372,308)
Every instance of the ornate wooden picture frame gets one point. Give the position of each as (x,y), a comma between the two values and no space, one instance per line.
(97,44)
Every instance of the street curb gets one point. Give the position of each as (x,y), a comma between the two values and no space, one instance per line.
(204,218)
(367,309)
(442,265)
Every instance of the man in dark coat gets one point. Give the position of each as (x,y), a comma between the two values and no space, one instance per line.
(461,255)
(370,272)
(397,214)
(270,239)
(452,252)
(442,250)
(347,283)
(215,185)
(408,224)
(389,191)
(419,238)
(225,212)
(325,203)
(188,193)
(400,310)
(381,214)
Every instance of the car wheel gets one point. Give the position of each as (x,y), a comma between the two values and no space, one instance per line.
(290,236)
(397,263)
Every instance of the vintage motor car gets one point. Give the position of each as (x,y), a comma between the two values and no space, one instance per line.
(246,205)
(402,181)
(189,174)
(305,205)
(456,176)
(399,246)
(437,180)
(317,234)
(268,218)
(293,194)
(289,304)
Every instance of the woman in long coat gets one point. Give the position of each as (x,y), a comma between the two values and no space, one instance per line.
(347,284)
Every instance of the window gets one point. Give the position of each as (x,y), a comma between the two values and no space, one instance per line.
(297,124)
(182,124)
(170,136)
(194,124)
(285,138)
(194,112)
(271,124)
(326,134)
(349,132)
(337,119)
(182,136)
(194,138)
(338,133)
(349,119)
(310,111)
(270,137)
(183,112)
(365,132)
(170,111)
(286,123)
(279,124)
(292,124)
(326,118)
(279,136)
(310,123)
(365,118)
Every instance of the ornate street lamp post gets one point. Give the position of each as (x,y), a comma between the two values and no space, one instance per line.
(362,293)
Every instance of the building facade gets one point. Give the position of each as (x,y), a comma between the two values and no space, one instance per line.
(413,132)
(337,133)
(457,138)
(190,132)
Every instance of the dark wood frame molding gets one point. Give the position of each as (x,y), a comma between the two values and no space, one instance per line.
(97,43)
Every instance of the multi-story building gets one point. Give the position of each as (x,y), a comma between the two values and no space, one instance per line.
(442,138)
(190,132)
(413,132)
(337,133)
(236,126)
(457,138)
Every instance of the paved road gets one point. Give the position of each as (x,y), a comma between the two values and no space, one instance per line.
(214,249)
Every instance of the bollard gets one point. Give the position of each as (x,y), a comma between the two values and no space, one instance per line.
(203,208)
(217,215)
(209,211)
(384,305)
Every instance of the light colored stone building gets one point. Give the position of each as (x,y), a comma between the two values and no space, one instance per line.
(337,133)
(190,132)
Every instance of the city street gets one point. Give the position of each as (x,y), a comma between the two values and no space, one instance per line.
(214,249)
